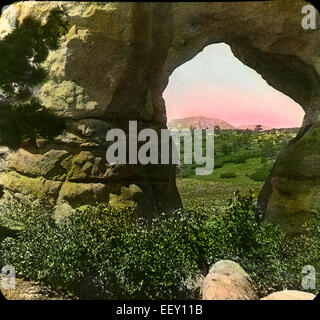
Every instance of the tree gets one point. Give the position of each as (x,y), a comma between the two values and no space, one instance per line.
(226,148)
(258,127)
(22,51)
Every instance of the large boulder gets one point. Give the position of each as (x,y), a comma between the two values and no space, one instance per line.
(113,66)
(289,295)
(226,280)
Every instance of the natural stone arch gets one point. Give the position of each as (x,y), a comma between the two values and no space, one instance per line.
(267,37)
(113,66)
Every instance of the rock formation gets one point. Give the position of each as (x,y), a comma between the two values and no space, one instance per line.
(290,295)
(113,66)
(226,280)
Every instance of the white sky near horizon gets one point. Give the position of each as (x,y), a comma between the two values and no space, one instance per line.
(215,84)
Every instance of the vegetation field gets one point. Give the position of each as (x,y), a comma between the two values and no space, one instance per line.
(104,253)
(215,189)
(243,160)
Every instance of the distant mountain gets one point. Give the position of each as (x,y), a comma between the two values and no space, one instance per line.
(252,127)
(198,123)
(204,123)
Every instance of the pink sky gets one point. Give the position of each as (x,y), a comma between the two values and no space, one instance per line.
(217,85)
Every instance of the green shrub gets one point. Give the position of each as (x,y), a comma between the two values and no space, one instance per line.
(237,157)
(106,253)
(218,164)
(102,252)
(187,170)
(241,156)
(228,175)
(261,174)
(226,148)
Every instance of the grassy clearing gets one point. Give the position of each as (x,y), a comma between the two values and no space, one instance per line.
(243,160)
(216,190)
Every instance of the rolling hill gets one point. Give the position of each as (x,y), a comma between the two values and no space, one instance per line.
(208,123)
(198,123)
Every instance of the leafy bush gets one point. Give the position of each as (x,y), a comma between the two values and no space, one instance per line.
(226,148)
(261,173)
(187,171)
(236,157)
(236,146)
(104,253)
(228,175)
(241,156)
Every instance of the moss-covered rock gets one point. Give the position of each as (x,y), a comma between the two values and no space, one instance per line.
(48,165)
(129,196)
(81,165)
(78,194)
(66,98)
(292,191)
(38,188)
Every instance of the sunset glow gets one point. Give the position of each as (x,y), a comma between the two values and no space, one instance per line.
(215,84)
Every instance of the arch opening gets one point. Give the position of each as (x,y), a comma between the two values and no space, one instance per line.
(253,122)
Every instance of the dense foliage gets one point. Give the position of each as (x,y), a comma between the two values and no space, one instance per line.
(102,252)
(237,146)
(22,51)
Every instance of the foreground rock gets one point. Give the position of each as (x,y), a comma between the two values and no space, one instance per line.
(290,295)
(28,290)
(227,281)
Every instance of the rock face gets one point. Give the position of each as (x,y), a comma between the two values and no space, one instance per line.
(104,74)
(226,280)
(290,295)
(113,66)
